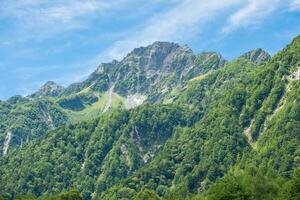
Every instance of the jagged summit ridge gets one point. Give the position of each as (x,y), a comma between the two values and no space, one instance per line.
(49,89)
(150,71)
(258,56)
(159,55)
(210,60)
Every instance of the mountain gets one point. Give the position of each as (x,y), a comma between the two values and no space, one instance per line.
(258,56)
(209,60)
(26,121)
(49,89)
(147,74)
(227,133)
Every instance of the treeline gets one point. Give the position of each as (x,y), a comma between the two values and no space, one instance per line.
(240,116)
(70,195)
(248,184)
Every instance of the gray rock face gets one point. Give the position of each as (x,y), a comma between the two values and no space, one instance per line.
(150,71)
(210,60)
(99,80)
(257,56)
(49,89)
(159,55)
(206,61)
(153,69)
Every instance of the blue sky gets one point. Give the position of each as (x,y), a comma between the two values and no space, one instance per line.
(65,40)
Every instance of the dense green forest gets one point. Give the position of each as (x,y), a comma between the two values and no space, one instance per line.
(229,131)
(69,195)
(128,83)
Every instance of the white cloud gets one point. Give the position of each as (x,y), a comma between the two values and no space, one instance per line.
(189,17)
(250,14)
(34,18)
(295,5)
(180,22)
(54,11)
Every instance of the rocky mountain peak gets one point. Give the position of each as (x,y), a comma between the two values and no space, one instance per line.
(158,46)
(159,55)
(210,60)
(150,71)
(257,56)
(50,84)
(106,67)
(49,89)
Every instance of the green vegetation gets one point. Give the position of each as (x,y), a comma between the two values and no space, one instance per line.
(254,184)
(207,61)
(77,102)
(28,119)
(153,78)
(70,195)
(232,133)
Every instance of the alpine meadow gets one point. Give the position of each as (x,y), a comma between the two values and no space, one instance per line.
(161,122)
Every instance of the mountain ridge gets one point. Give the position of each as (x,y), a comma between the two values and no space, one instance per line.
(243,114)
(146,74)
(171,67)
(49,89)
(258,56)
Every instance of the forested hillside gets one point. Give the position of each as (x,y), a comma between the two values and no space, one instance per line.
(147,74)
(209,129)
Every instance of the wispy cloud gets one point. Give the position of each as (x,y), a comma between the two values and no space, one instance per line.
(180,22)
(295,5)
(41,19)
(46,12)
(250,14)
(51,34)
(189,17)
